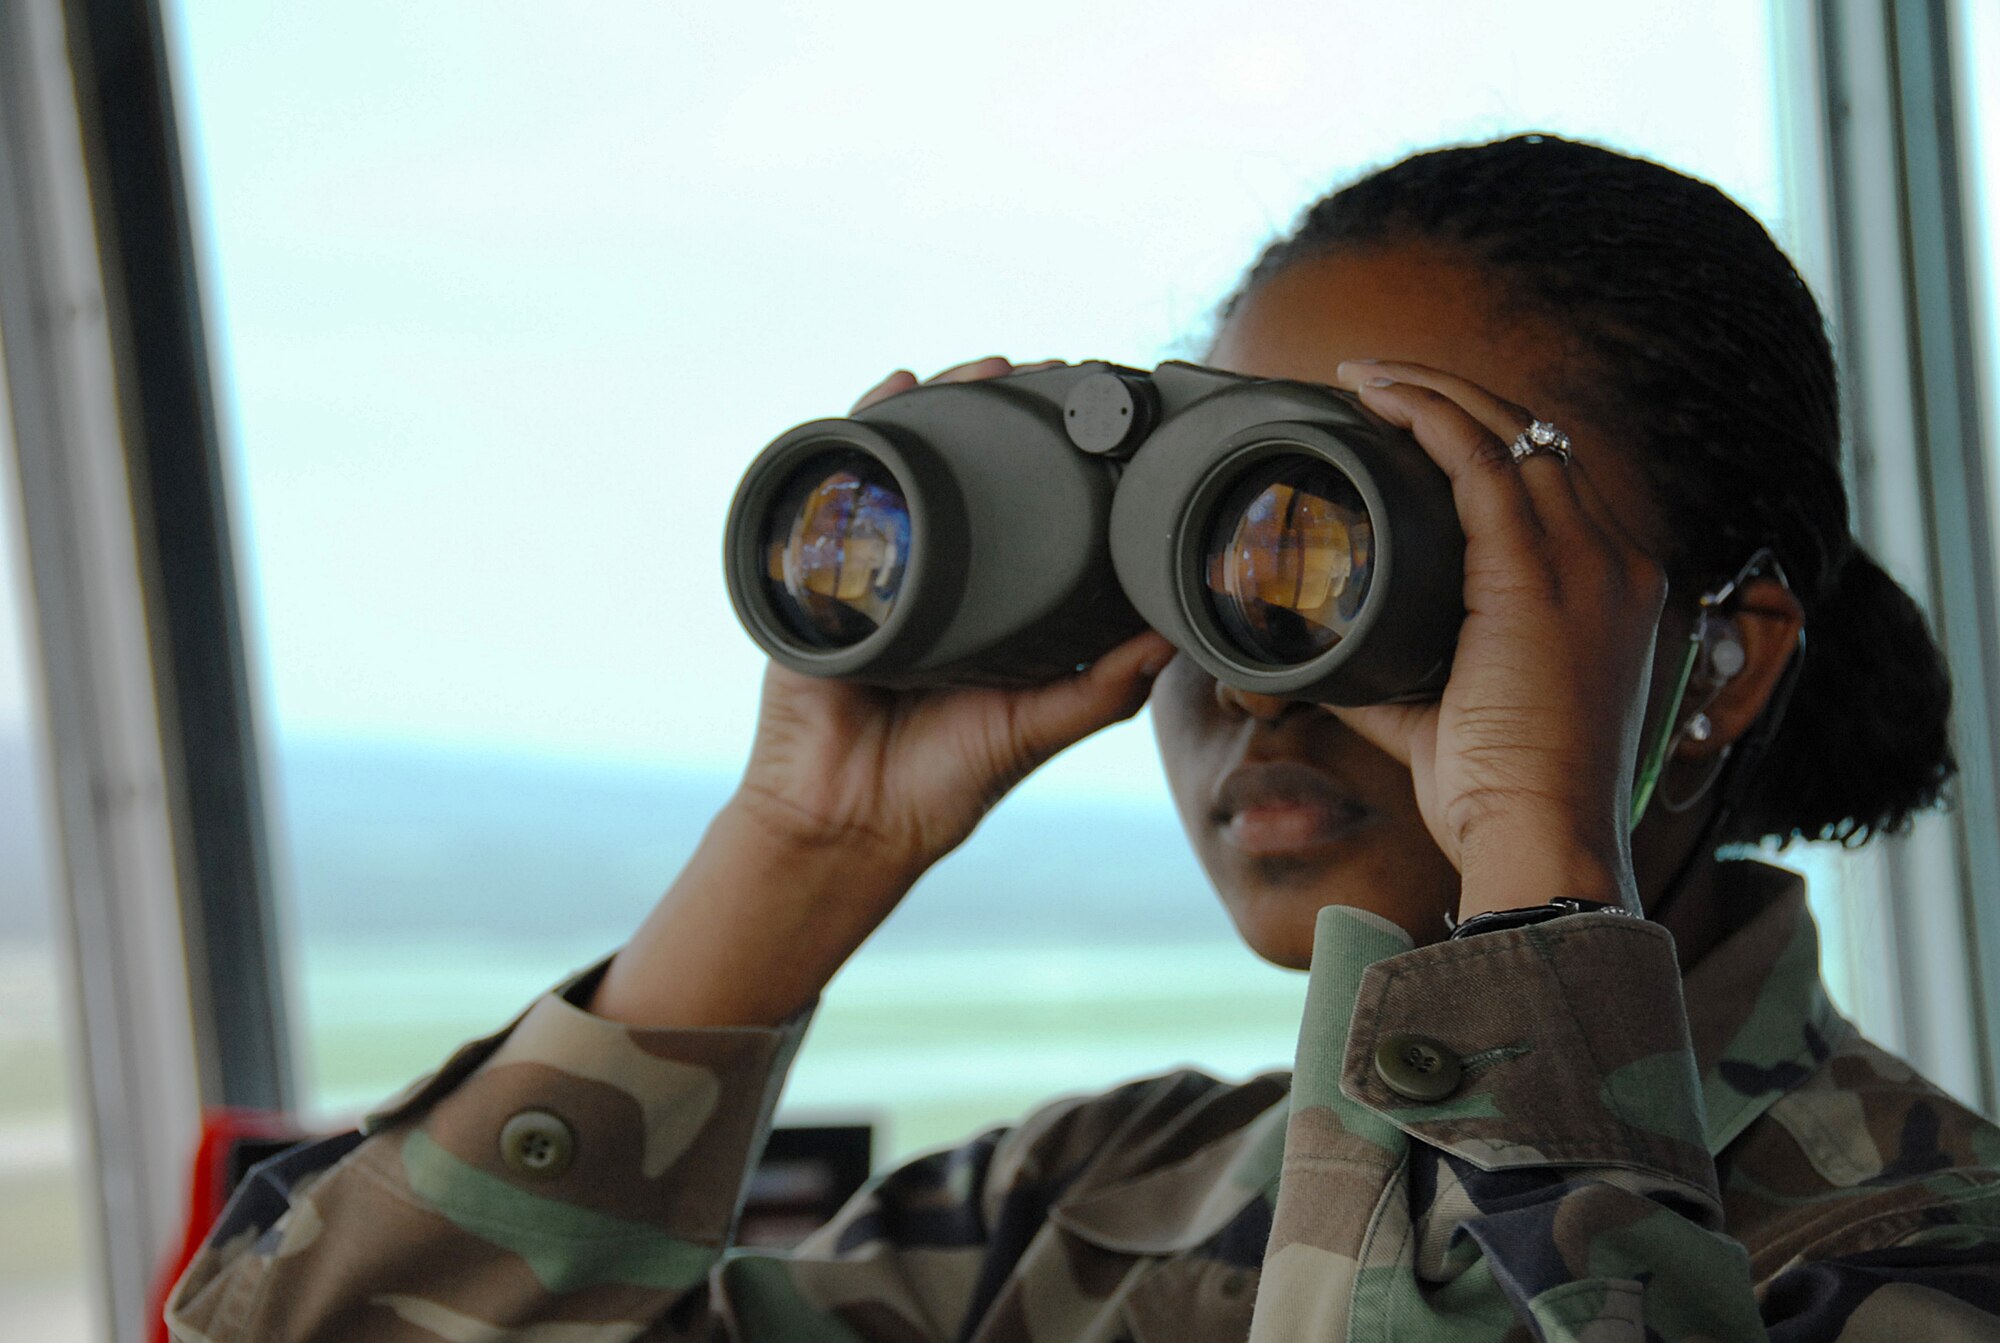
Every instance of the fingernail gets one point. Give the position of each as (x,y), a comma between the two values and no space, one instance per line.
(1350,371)
(880,391)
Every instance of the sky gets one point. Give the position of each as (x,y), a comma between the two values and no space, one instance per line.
(504,295)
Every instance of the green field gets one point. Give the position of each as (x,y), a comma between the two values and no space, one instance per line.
(929,1045)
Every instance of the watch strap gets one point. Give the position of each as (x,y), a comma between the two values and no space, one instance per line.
(1499,920)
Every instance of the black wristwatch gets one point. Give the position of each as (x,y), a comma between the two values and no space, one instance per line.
(1500,920)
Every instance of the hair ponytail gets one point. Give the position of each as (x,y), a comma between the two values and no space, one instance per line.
(1866,741)
(1703,348)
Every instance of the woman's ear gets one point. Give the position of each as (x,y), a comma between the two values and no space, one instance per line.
(1742,664)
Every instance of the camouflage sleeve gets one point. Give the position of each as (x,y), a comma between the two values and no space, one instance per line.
(1569,1166)
(607,1216)
(569,1174)
(1500,1138)
(1522,1116)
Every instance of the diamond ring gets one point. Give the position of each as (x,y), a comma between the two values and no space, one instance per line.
(1540,437)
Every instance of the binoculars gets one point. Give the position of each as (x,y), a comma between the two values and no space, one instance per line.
(1009,531)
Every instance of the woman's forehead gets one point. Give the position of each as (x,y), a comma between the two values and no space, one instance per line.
(1411,302)
(1424,304)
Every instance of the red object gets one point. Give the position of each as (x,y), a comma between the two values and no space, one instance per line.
(226,1135)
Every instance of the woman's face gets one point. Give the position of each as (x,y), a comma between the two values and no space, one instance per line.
(1289,810)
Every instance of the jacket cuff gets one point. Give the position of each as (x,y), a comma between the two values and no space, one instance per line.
(1573,1041)
(568,1118)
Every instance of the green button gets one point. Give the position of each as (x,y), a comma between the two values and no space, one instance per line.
(1418,1067)
(537,1144)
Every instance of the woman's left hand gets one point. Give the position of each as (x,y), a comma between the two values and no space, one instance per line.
(1523,769)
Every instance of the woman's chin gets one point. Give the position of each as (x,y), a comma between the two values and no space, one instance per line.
(1283,948)
(1277,913)
(1279,925)
(1277,866)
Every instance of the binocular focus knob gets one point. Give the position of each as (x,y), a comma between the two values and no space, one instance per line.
(1109,414)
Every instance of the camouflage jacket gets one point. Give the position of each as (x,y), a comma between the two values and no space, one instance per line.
(1586,1159)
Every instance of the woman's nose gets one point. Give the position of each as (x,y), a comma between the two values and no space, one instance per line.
(1265,708)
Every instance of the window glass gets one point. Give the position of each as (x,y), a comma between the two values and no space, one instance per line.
(1976,45)
(1976,36)
(45,1292)
(505,296)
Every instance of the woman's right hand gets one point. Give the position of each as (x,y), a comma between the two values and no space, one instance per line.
(850,794)
(897,779)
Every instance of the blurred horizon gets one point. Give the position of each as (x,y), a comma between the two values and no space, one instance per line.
(501,298)
(501,308)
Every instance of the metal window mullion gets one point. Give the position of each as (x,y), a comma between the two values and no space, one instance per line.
(1964,584)
(1906,339)
(186,551)
(116,850)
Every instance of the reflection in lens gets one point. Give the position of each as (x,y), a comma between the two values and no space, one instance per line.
(836,547)
(1289,558)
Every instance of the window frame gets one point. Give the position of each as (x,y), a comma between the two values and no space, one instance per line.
(162,862)
(1901,304)
(164,855)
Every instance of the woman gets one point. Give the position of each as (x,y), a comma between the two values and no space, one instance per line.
(1532,1127)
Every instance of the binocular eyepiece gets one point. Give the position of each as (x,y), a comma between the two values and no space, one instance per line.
(1006,532)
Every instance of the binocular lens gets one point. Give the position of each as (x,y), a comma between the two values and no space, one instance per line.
(1288,562)
(836,547)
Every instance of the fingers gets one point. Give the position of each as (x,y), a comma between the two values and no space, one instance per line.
(1469,431)
(1473,427)
(1389,728)
(1543,474)
(1499,416)
(1538,515)
(1114,688)
(1493,496)
(902,380)
(976,370)
(993,366)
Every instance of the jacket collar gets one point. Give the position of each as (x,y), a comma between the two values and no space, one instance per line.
(1759,1016)
(1758,1012)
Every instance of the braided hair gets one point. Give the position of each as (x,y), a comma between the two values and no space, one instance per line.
(1705,349)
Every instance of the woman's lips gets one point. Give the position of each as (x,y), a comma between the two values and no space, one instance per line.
(1282,807)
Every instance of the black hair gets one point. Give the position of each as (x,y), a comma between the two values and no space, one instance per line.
(1701,345)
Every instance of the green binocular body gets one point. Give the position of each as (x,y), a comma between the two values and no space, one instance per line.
(1006,532)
